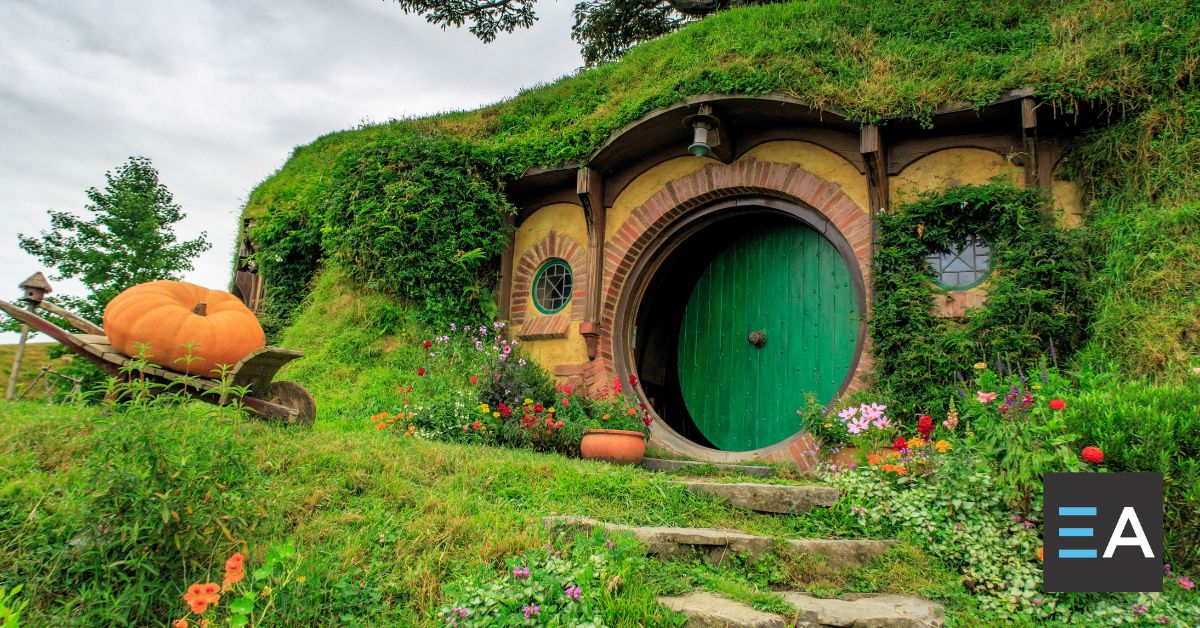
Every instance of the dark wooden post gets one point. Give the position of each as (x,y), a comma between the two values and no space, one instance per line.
(870,144)
(506,270)
(590,187)
(36,288)
(1029,135)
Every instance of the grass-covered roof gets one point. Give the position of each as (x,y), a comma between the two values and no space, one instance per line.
(1136,59)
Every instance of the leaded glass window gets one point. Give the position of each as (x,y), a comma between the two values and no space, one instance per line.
(552,287)
(964,265)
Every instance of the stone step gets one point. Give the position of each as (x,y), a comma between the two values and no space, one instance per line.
(719,545)
(783,499)
(662,464)
(709,610)
(877,610)
(862,610)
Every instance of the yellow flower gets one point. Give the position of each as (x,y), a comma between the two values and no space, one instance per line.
(979,366)
(942,445)
(915,443)
(828,425)
(483,407)
(528,401)
(551,410)
(1036,386)
(496,415)
(301,579)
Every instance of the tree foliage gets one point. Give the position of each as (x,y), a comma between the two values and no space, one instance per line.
(127,240)
(604,29)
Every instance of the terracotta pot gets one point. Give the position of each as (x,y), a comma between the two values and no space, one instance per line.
(616,446)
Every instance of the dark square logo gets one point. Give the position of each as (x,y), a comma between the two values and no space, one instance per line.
(1104,531)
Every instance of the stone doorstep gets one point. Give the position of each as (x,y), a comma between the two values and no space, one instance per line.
(776,498)
(662,464)
(709,610)
(719,545)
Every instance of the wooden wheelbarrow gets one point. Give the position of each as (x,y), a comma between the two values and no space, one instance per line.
(286,401)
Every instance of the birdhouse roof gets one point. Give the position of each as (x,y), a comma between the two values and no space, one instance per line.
(37,280)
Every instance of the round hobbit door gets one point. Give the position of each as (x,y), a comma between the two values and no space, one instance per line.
(773,317)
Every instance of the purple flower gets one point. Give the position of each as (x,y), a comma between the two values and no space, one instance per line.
(573,592)
(520,573)
(461,612)
(1027,524)
(857,510)
(610,545)
(1140,609)
(531,610)
(1015,517)
(1037,601)
(1167,568)
(521,362)
(1164,619)
(453,327)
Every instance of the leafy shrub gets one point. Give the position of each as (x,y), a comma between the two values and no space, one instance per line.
(1036,296)
(1150,426)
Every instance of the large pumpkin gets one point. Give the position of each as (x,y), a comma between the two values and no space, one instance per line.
(168,316)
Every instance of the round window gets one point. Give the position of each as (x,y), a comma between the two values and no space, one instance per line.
(552,286)
(964,265)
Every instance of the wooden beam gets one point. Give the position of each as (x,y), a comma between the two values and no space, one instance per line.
(874,154)
(590,188)
(506,270)
(1029,135)
(80,323)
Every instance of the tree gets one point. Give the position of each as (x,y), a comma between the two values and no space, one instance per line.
(128,239)
(604,29)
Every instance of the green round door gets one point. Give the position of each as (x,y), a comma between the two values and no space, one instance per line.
(773,317)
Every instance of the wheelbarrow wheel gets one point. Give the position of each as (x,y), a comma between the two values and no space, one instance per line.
(293,396)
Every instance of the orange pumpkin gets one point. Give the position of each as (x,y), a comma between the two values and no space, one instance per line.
(168,316)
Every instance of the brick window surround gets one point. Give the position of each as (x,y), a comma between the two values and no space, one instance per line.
(536,325)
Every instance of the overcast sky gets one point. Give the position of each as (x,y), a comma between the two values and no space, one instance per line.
(217,93)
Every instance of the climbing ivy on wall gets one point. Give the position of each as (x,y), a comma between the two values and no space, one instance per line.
(1036,295)
(418,217)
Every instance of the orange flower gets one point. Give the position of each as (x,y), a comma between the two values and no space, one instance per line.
(632,411)
(874,459)
(379,417)
(1041,553)
(180,623)
(235,562)
(235,569)
(199,596)
(380,425)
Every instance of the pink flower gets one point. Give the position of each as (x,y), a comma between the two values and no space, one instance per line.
(610,545)
(985,397)
(858,425)
(950,423)
(1187,584)
(520,573)
(531,610)
(847,414)
(573,592)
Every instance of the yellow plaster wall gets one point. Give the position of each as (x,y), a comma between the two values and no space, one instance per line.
(961,165)
(818,160)
(1068,201)
(565,219)
(648,184)
(565,351)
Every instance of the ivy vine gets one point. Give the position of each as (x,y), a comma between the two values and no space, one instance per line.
(1036,302)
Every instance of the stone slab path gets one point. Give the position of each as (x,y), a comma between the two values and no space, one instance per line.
(709,610)
(787,499)
(662,464)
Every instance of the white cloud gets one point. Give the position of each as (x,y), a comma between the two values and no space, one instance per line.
(217,94)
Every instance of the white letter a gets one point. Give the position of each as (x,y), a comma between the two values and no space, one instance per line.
(1128,516)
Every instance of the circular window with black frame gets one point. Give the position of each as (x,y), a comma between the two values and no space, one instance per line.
(552,286)
(1036,296)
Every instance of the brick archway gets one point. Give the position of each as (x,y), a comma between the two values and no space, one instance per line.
(787,182)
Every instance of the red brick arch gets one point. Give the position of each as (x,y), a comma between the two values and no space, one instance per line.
(721,181)
(553,246)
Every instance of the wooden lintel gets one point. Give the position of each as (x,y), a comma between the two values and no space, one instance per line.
(590,187)
(874,154)
(1030,148)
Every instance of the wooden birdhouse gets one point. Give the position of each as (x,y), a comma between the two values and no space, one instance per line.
(36,288)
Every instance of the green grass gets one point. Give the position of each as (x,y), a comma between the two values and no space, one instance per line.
(36,356)
(381,521)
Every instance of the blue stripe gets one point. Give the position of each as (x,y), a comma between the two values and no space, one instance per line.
(1077,511)
(1076,553)
(1075,532)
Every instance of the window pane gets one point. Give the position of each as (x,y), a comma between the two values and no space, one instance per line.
(965,264)
(552,288)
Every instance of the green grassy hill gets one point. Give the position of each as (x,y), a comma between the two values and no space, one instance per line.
(37,355)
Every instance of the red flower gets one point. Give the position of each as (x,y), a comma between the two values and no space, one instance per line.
(473,379)
(421,372)
(427,344)
(633,381)
(925,426)
(647,420)
(505,411)
(1092,455)
(475,425)
(1058,404)
(900,443)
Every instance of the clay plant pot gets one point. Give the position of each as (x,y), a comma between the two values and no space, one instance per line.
(616,446)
